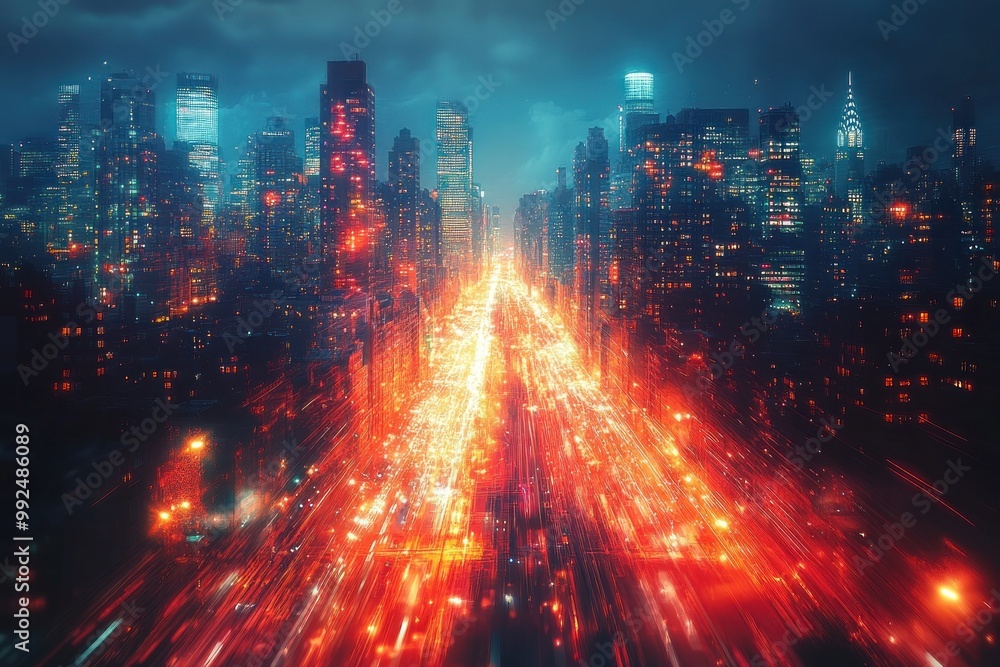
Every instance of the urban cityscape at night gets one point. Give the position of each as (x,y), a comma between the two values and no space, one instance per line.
(528,333)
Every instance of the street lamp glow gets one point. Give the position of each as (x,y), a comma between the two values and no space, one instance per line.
(165,515)
(197,444)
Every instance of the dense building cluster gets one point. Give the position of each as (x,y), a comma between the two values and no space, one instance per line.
(662,252)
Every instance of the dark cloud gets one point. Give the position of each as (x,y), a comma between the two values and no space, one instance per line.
(553,83)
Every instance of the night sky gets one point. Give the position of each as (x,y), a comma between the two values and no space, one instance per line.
(270,57)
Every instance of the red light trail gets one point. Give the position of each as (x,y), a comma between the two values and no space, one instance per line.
(520,512)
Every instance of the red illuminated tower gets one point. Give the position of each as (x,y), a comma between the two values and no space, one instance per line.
(347,170)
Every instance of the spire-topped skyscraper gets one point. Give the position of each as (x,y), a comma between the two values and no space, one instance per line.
(850,168)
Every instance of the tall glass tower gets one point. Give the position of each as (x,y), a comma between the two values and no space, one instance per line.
(636,113)
(198,126)
(68,142)
(783,264)
(454,172)
(403,208)
(312,147)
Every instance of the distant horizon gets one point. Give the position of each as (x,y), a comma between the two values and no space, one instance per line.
(558,76)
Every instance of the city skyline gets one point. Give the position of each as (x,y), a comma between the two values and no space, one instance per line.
(531,97)
(533,335)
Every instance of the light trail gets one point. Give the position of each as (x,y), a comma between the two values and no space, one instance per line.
(520,513)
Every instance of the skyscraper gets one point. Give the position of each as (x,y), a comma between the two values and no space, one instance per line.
(403,209)
(429,256)
(198,126)
(68,140)
(723,136)
(347,172)
(965,160)
(277,193)
(850,160)
(454,172)
(127,191)
(591,175)
(783,263)
(313,140)
(636,113)
(561,230)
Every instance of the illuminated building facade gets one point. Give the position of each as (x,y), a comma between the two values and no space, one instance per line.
(965,160)
(783,262)
(67,167)
(313,137)
(561,231)
(591,185)
(725,135)
(277,191)
(636,113)
(403,208)
(850,159)
(347,171)
(454,173)
(198,126)
(126,191)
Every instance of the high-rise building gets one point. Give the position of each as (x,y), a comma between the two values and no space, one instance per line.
(531,232)
(277,192)
(198,126)
(37,189)
(313,137)
(127,192)
(591,175)
(672,197)
(561,228)
(480,223)
(454,172)
(965,160)
(429,255)
(966,157)
(403,209)
(850,160)
(783,263)
(495,239)
(347,172)
(633,115)
(721,136)
(67,166)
